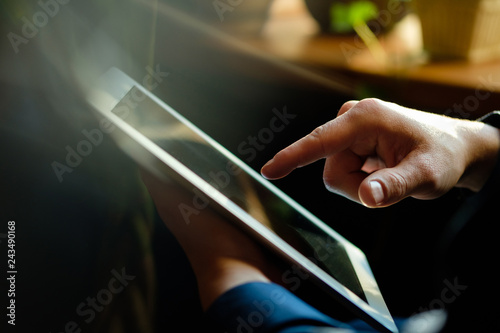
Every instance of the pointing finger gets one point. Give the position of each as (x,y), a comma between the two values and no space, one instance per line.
(324,141)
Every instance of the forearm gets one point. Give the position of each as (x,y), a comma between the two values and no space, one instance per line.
(216,278)
(221,255)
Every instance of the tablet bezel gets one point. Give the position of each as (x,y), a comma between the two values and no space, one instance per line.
(114,85)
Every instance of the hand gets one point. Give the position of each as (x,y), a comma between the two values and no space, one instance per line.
(221,255)
(378,153)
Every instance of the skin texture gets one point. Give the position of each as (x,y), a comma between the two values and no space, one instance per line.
(377,153)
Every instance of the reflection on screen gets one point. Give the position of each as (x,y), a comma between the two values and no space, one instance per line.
(194,152)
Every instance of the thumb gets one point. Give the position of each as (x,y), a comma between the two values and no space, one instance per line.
(386,187)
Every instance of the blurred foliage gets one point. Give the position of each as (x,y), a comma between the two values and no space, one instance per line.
(345,16)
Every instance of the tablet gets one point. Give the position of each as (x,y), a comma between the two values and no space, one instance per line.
(161,140)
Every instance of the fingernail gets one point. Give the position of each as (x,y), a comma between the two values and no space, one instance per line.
(266,165)
(377,192)
(269,163)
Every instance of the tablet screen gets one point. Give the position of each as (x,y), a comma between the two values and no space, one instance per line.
(193,151)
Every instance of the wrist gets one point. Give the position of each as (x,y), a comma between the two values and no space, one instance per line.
(221,275)
(483,142)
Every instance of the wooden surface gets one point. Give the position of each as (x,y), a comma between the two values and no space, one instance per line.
(455,87)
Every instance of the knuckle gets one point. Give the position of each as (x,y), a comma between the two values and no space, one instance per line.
(370,104)
(334,186)
(318,132)
(432,179)
(330,183)
(346,107)
(329,172)
(398,184)
(372,111)
(318,135)
(427,168)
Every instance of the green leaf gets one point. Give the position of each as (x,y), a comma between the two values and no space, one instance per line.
(345,16)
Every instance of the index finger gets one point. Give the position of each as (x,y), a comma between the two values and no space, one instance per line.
(334,136)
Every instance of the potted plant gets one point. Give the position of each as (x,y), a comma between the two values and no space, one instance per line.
(467,29)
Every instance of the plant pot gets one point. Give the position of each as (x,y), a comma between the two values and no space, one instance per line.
(465,29)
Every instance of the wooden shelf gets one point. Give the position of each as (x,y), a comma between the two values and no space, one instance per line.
(455,87)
